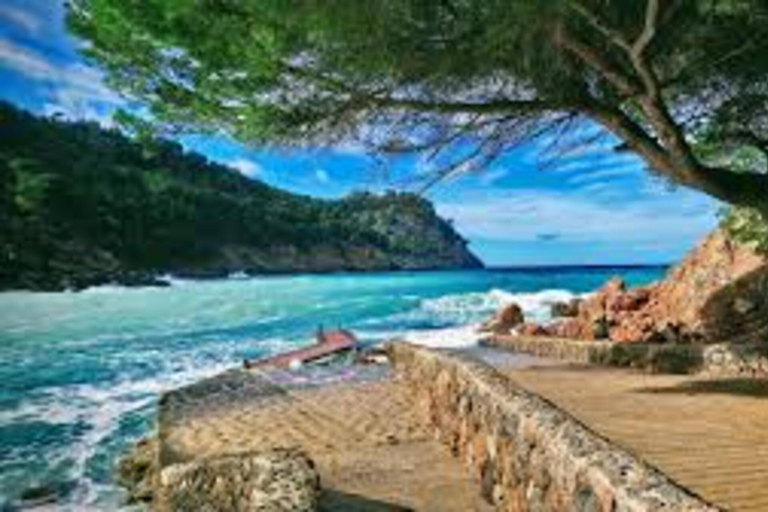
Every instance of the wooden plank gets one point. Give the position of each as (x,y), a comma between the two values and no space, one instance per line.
(328,343)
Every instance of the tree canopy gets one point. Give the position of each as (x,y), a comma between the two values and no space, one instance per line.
(682,83)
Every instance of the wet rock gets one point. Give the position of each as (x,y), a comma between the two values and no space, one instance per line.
(38,496)
(506,319)
(565,309)
(137,469)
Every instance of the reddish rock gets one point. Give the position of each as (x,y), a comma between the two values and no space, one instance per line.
(566,309)
(718,291)
(506,319)
(531,329)
(570,328)
(631,300)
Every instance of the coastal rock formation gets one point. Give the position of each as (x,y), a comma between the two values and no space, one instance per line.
(137,469)
(565,309)
(272,481)
(718,293)
(506,319)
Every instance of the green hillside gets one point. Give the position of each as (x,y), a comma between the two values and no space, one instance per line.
(82,205)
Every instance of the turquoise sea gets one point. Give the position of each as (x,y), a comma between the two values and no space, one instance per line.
(80,372)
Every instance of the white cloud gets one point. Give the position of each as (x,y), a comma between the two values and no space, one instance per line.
(76,91)
(246,167)
(21,18)
(522,215)
(322,176)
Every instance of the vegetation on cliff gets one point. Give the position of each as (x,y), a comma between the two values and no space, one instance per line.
(747,226)
(81,205)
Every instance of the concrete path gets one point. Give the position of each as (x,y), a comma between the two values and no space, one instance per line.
(710,436)
(371,452)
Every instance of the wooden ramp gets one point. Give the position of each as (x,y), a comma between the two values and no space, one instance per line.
(328,344)
(710,436)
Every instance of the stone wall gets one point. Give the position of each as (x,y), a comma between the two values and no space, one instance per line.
(651,357)
(527,454)
(721,360)
(555,348)
(729,360)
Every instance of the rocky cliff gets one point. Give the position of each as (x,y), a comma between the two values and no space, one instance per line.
(719,292)
(80,205)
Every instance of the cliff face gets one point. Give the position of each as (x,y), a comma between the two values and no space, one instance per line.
(719,292)
(81,206)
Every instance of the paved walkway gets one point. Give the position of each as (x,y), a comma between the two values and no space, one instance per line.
(710,436)
(371,452)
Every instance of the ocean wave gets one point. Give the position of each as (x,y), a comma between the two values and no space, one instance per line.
(474,307)
(451,321)
(98,409)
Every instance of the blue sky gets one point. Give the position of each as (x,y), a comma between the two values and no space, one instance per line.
(594,207)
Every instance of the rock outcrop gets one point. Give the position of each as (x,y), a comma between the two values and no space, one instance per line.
(273,481)
(565,309)
(718,293)
(137,470)
(506,319)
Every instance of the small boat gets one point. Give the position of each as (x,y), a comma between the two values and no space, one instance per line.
(329,343)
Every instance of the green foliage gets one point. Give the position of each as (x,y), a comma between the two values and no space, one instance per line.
(415,75)
(26,185)
(746,226)
(151,206)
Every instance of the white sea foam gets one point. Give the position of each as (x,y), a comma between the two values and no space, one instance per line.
(475,306)
(459,316)
(450,337)
(101,406)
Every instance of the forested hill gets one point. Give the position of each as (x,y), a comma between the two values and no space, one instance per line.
(80,205)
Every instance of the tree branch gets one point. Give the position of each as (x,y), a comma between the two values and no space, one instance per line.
(623,84)
(649,28)
(611,34)
(744,189)
(499,106)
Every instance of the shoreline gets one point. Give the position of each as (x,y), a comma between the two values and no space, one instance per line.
(166,279)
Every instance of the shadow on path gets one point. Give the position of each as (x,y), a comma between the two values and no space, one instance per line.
(756,387)
(337,501)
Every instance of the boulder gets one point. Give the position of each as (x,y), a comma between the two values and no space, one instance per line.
(272,481)
(569,328)
(506,319)
(565,309)
(532,329)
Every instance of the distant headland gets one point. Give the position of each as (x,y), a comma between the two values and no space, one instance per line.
(84,206)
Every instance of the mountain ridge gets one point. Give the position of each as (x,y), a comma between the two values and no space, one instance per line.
(82,205)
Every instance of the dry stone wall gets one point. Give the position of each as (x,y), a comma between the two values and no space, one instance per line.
(527,454)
